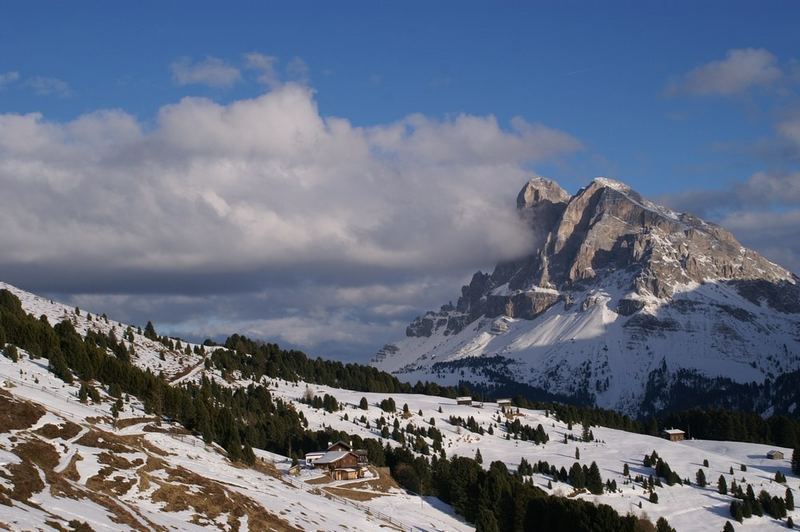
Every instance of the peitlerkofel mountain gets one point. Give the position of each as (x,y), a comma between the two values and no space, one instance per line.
(623,304)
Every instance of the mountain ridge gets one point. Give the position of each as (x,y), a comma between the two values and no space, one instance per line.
(610,267)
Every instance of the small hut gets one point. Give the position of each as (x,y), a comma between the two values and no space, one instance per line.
(673,434)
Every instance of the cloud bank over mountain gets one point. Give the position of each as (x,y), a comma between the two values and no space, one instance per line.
(226,199)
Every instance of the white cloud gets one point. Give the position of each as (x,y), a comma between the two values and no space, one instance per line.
(265,184)
(45,86)
(211,71)
(351,227)
(741,70)
(7,78)
(265,66)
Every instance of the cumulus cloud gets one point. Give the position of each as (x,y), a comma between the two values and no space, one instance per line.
(742,69)
(215,199)
(265,66)
(210,71)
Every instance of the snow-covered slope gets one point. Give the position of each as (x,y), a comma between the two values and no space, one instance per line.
(63,461)
(685,507)
(617,293)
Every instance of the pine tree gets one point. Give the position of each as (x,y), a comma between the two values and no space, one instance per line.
(728,527)
(653,497)
(722,486)
(363,405)
(662,525)
(796,461)
(486,521)
(701,478)
(58,366)
(11,352)
(789,498)
(576,476)
(83,394)
(594,482)
(577,454)
(626,472)
(478,457)
(736,510)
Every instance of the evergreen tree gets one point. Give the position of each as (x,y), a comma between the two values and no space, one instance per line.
(789,498)
(58,366)
(662,525)
(486,521)
(577,454)
(478,457)
(363,405)
(701,478)
(796,461)
(789,523)
(83,394)
(653,497)
(728,527)
(594,482)
(150,331)
(576,476)
(11,352)
(722,486)
(626,472)
(736,510)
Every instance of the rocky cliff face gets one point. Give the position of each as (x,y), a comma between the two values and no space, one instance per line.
(637,263)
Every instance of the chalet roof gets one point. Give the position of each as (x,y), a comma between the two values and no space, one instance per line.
(673,431)
(774,451)
(315,453)
(332,457)
(465,398)
(340,442)
(503,401)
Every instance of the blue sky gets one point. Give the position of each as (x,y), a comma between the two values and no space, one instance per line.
(692,103)
(595,70)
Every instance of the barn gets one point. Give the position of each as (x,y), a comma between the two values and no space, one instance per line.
(775,455)
(673,434)
(466,400)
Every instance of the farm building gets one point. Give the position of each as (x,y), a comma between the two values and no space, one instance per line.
(466,400)
(673,434)
(504,403)
(775,455)
(337,459)
(340,461)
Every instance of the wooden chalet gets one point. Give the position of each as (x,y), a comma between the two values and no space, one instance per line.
(673,434)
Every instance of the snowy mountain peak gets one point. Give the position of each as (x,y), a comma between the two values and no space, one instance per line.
(614,279)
